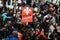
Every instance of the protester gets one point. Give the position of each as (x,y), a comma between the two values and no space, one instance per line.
(45,24)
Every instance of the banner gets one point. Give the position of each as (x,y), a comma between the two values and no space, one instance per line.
(27,14)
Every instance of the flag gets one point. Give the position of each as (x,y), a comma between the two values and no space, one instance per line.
(27,14)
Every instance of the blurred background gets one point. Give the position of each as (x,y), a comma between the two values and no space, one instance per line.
(45,25)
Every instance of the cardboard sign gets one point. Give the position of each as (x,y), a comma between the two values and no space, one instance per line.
(27,14)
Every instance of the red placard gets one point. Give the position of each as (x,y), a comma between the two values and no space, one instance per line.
(27,14)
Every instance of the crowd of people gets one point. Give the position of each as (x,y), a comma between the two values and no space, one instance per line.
(45,25)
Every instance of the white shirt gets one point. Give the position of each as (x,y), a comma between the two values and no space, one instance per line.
(19,1)
(51,29)
(46,16)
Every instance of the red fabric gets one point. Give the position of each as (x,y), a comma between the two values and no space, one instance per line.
(37,32)
(20,36)
(44,37)
(42,33)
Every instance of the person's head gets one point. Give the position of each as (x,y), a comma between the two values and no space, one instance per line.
(47,2)
(51,5)
(14,33)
